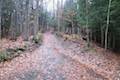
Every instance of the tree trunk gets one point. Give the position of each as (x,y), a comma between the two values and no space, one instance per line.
(26,22)
(36,18)
(58,15)
(107,25)
(113,43)
(72,31)
(87,28)
(102,36)
(12,26)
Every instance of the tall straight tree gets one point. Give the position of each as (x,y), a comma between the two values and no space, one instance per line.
(36,17)
(26,21)
(107,25)
(58,15)
(87,27)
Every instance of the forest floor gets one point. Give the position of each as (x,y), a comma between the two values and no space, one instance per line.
(5,43)
(57,59)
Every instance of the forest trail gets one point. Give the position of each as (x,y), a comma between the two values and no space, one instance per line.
(51,61)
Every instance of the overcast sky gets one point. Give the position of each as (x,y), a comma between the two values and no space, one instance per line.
(50,4)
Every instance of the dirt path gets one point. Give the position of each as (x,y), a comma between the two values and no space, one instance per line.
(48,62)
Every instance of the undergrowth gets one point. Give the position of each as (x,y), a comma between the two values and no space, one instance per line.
(10,53)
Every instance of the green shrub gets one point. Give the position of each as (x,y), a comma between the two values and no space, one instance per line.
(9,53)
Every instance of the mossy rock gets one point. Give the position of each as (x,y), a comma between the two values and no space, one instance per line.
(58,34)
(38,38)
(20,49)
(9,54)
(5,56)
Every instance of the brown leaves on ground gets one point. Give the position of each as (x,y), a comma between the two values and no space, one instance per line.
(94,57)
(6,43)
(57,59)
